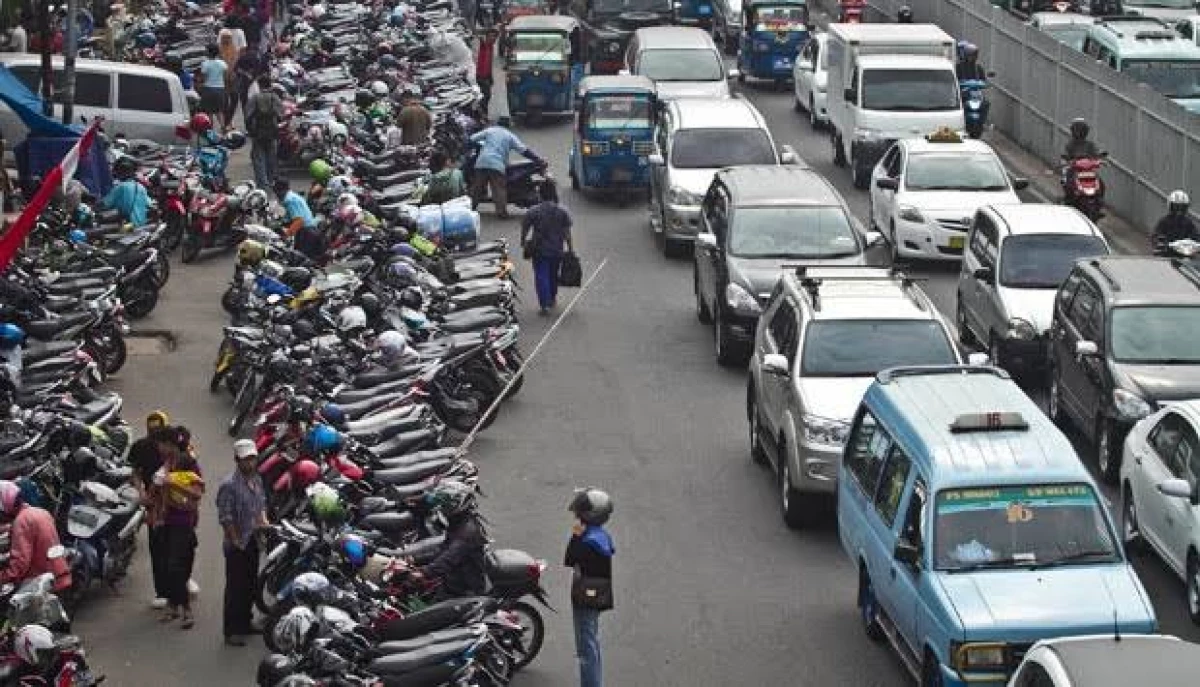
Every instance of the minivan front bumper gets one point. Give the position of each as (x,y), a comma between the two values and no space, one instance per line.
(683,222)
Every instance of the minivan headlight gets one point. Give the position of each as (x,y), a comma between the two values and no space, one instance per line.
(740,300)
(909,213)
(824,431)
(979,656)
(681,196)
(1130,406)
(1021,330)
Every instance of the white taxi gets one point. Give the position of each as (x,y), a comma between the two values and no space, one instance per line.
(925,191)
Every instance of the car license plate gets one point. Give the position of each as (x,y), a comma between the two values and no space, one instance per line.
(705,10)
(621,175)
(535,100)
(783,63)
(957,242)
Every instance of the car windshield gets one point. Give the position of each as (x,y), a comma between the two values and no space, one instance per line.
(1172,78)
(619,112)
(861,348)
(910,90)
(619,6)
(1020,526)
(695,64)
(1070,34)
(1156,335)
(951,172)
(800,232)
(1043,261)
(539,47)
(781,18)
(713,148)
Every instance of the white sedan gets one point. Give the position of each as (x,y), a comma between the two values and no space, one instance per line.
(1160,502)
(809,76)
(924,194)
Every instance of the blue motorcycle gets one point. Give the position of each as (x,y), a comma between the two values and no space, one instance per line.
(975,105)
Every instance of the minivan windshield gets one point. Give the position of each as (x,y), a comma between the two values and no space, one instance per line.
(684,64)
(861,348)
(1172,78)
(713,148)
(1040,525)
(1156,335)
(1043,261)
(909,90)
(799,232)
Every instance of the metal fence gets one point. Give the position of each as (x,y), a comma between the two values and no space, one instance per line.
(1041,84)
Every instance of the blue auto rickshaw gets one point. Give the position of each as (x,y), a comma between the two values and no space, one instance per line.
(773,33)
(614,134)
(543,63)
(695,13)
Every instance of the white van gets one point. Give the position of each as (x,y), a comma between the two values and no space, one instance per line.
(682,61)
(136,100)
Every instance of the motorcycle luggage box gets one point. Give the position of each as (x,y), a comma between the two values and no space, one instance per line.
(510,569)
(83,522)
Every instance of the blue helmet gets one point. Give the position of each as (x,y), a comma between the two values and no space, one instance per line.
(146,39)
(77,236)
(323,439)
(11,335)
(354,549)
(405,250)
(83,215)
(333,414)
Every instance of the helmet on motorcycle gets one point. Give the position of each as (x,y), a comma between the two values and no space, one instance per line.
(234,140)
(77,236)
(301,408)
(273,669)
(351,319)
(346,199)
(392,346)
(311,588)
(1079,128)
(338,133)
(383,48)
(405,250)
(34,645)
(338,185)
(83,216)
(201,122)
(354,549)
(304,473)
(325,503)
(320,170)
(124,168)
(370,304)
(317,11)
(145,39)
(904,15)
(452,497)
(412,297)
(11,335)
(256,200)
(351,215)
(322,438)
(78,434)
(379,89)
(294,629)
(363,98)
(970,51)
(250,253)
(270,268)
(10,498)
(332,414)
(414,319)
(591,505)
(402,274)
(297,278)
(1178,202)
(388,62)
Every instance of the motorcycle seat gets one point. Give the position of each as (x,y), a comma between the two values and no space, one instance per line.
(405,442)
(439,616)
(36,351)
(356,395)
(358,409)
(494,247)
(45,329)
(399,664)
(419,457)
(444,346)
(92,412)
(405,492)
(473,320)
(375,378)
(374,429)
(389,522)
(411,473)
(453,634)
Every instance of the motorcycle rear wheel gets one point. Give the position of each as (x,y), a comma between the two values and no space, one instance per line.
(140,298)
(174,234)
(191,248)
(535,627)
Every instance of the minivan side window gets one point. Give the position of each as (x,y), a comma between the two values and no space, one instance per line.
(145,93)
(783,329)
(891,486)
(92,89)
(913,529)
(1086,312)
(1069,287)
(866,451)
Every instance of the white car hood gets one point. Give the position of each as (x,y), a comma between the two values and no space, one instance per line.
(693,180)
(667,90)
(835,398)
(1035,306)
(951,201)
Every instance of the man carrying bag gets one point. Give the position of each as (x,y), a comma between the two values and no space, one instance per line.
(589,554)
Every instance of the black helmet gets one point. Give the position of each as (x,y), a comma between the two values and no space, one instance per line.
(904,15)
(304,330)
(1079,128)
(591,505)
(273,669)
(124,168)
(301,408)
(412,297)
(369,302)
(328,44)
(363,98)
(78,435)
(81,466)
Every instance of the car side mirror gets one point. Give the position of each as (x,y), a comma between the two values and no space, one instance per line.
(978,359)
(1086,348)
(775,364)
(874,238)
(887,183)
(984,274)
(706,239)
(655,159)
(787,155)
(1175,488)
(907,553)
(733,74)
(1020,184)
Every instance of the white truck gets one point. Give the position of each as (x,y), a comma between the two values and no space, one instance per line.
(887,82)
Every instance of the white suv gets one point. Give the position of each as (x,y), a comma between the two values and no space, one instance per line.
(823,336)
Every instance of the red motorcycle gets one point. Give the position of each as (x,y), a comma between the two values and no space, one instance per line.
(851,11)
(1082,187)
(218,219)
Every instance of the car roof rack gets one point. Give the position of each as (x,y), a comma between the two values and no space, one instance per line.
(812,276)
(1106,273)
(892,374)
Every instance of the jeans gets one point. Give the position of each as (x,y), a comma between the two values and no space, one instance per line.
(241,583)
(264,159)
(158,560)
(545,279)
(587,646)
(485,87)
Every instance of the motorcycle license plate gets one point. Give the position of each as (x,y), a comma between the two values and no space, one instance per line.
(957,242)
(783,63)
(622,175)
(535,100)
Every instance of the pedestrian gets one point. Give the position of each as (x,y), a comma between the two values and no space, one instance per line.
(262,113)
(18,39)
(495,143)
(446,183)
(178,488)
(145,460)
(229,52)
(415,121)
(246,69)
(32,533)
(484,65)
(545,229)
(211,74)
(589,554)
(242,511)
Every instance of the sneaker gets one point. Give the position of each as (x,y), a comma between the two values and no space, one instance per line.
(159,603)
(234,640)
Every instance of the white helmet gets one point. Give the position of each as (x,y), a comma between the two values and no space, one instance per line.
(1178,201)
(32,644)
(337,130)
(318,11)
(346,199)
(338,185)
(294,629)
(379,89)
(352,319)
(392,346)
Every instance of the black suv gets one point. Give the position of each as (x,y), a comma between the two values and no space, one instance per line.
(1125,337)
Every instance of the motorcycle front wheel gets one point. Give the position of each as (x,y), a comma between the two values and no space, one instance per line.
(191,248)
(140,298)
(174,234)
(534,633)
(161,270)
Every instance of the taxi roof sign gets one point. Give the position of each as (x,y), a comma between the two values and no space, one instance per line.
(995,421)
(944,134)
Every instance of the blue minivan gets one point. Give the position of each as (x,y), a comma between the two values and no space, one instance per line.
(975,529)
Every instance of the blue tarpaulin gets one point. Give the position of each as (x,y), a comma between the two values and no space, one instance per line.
(28,107)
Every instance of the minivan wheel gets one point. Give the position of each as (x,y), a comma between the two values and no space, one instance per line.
(1108,462)
(839,155)
(756,449)
(1193,587)
(868,608)
(702,312)
(812,115)
(1130,532)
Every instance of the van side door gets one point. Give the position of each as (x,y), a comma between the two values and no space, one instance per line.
(147,106)
(896,589)
(866,452)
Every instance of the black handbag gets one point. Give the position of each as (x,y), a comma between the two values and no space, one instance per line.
(595,593)
(570,272)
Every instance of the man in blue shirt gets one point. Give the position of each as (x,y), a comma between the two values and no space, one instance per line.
(495,143)
(128,196)
(300,222)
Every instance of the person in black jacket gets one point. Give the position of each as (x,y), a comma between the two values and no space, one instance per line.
(589,553)
(145,460)
(459,565)
(1175,226)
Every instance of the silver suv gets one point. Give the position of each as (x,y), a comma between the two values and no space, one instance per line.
(824,335)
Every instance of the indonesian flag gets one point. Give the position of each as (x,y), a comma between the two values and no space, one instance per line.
(56,180)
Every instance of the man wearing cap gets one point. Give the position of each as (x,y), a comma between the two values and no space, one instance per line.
(242,511)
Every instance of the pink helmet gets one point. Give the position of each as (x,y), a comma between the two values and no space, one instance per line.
(10,497)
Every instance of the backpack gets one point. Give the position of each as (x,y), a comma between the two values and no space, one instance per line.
(263,122)
(440,189)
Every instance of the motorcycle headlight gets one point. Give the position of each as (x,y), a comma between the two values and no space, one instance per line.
(681,196)
(741,300)
(1130,406)
(1021,330)
(824,431)
(909,213)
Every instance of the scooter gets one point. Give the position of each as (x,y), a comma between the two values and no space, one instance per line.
(523,181)
(102,527)
(975,105)
(1082,187)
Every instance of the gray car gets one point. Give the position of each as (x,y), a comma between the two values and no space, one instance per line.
(753,221)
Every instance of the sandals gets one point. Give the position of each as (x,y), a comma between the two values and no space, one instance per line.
(170,616)
(189,621)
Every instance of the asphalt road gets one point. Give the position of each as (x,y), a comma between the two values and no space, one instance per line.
(712,588)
